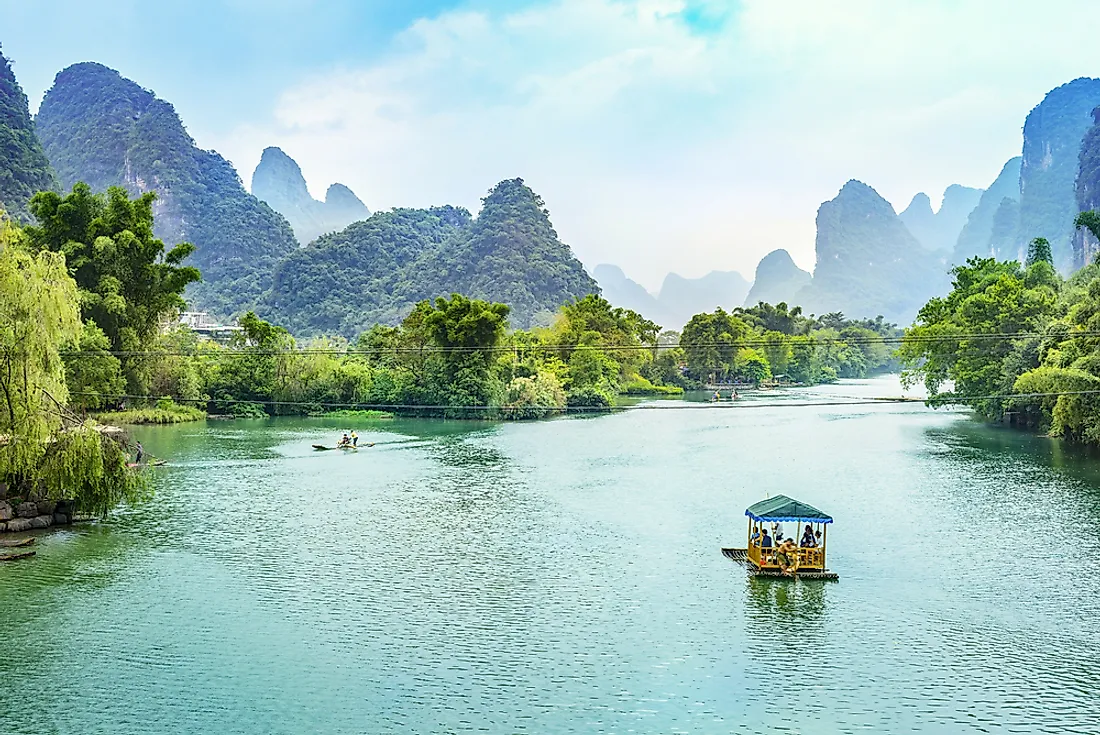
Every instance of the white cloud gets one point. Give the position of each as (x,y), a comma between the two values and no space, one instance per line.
(661,145)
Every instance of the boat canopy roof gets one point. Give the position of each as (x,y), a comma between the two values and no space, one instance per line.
(782,508)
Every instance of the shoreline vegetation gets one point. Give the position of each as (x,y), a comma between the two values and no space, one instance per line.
(104,341)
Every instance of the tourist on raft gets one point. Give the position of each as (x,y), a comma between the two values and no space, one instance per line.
(786,556)
(808,540)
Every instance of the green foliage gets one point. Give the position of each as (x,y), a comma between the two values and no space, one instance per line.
(166,411)
(90,468)
(94,376)
(534,398)
(376,270)
(1039,250)
(107,131)
(24,169)
(989,297)
(38,314)
(127,282)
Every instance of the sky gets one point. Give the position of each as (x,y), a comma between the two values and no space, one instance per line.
(663,135)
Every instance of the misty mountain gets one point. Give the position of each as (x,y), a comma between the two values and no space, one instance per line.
(976,235)
(778,280)
(686,297)
(1053,133)
(376,270)
(24,169)
(278,181)
(105,130)
(868,263)
(1087,192)
(628,294)
(940,230)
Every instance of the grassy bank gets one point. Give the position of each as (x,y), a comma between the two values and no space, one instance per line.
(165,412)
(353,414)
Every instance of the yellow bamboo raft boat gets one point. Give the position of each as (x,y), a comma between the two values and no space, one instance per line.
(760,554)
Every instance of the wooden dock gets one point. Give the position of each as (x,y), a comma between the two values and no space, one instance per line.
(741,556)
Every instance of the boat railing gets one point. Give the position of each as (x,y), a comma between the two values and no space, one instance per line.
(813,557)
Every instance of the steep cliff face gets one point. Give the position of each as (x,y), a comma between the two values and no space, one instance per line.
(24,169)
(106,130)
(1053,133)
(278,181)
(868,263)
(938,231)
(778,280)
(1004,236)
(974,239)
(376,270)
(1085,246)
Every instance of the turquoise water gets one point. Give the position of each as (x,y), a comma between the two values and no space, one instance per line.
(565,577)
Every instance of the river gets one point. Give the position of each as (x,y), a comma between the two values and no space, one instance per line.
(565,577)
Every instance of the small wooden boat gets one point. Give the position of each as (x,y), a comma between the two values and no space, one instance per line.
(760,560)
(11,544)
(323,448)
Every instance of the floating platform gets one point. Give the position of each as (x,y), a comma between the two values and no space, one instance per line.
(741,556)
(14,557)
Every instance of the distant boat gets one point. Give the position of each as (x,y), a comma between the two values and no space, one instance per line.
(323,448)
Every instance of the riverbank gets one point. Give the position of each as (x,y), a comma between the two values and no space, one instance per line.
(165,412)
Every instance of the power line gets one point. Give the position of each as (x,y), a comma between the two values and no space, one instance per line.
(941,399)
(519,349)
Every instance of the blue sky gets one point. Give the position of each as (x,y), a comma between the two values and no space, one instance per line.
(664,135)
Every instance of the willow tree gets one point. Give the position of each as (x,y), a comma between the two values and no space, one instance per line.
(42,446)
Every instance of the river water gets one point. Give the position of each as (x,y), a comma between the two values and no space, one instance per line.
(565,577)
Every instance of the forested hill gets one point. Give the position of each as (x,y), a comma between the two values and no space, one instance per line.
(278,180)
(868,263)
(375,270)
(105,130)
(24,169)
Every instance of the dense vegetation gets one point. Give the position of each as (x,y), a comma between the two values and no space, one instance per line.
(377,270)
(104,130)
(1034,380)
(46,450)
(764,342)
(127,282)
(24,169)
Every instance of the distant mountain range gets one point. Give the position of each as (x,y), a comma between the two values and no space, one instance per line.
(278,181)
(356,268)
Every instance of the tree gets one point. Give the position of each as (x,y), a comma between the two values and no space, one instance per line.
(45,449)
(988,298)
(1039,250)
(127,282)
(710,343)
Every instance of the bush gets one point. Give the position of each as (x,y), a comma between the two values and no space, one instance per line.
(589,399)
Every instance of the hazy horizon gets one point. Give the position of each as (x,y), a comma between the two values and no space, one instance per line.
(664,136)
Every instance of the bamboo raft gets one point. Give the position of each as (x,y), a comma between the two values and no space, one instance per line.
(14,557)
(14,543)
(741,556)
